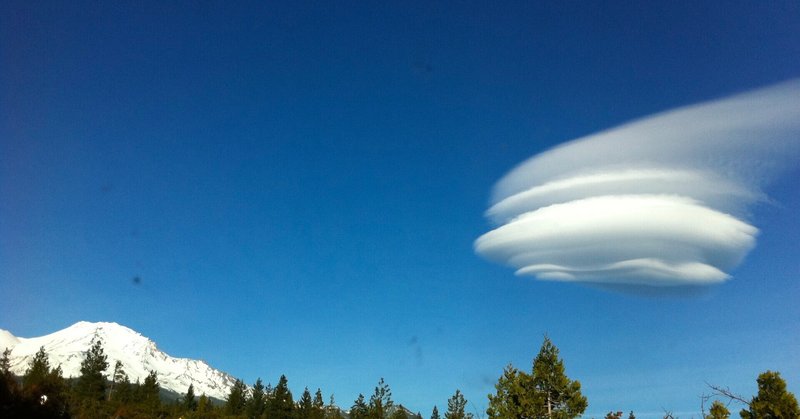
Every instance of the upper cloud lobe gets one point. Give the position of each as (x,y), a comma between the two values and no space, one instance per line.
(661,201)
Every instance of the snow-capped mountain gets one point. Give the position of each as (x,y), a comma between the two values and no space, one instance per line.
(138,354)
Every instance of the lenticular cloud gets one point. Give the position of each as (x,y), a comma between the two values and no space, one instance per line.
(661,201)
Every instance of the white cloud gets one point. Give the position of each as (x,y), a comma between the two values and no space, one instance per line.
(660,201)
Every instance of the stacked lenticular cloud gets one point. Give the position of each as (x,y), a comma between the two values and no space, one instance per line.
(660,201)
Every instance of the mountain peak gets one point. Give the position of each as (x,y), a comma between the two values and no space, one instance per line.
(138,354)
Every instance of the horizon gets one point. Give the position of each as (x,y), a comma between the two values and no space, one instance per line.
(302,190)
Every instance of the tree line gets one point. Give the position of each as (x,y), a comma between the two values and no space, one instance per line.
(543,393)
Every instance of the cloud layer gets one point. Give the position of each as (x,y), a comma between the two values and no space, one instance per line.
(661,201)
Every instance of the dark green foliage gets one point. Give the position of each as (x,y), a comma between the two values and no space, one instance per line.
(435,413)
(91,384)
(205,409)
(237,399)
(613,415)
(332,411)
(117,377)
(562,396)
(257,403)
(398,413)
(5,363)
(9,391)
(514,398)
(718,411)
(318,406)
(772,401)
(147,395)
(188,403)
(380,403)
(281,404)
(43,393)
(455,407)
(631,415)
(546,393)
(37,372)
(304,406)
(359,410)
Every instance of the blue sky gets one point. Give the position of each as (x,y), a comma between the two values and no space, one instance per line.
(298,188)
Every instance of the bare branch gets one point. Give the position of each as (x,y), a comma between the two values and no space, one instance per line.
(726,392)
(703,399)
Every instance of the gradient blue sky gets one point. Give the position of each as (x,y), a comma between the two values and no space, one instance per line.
(299,188)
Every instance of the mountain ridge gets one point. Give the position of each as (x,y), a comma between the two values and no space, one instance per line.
(138,354)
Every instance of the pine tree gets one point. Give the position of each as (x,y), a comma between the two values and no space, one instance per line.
(318,406)
(5,363)
(37,372)
(116,378)
(188,403)
(381,401)
(456,406)
(8,386)
(515,398)
(718,411)
(257,403)
(148,394)
(359,410)
(562,396)
(44,390)
(332,411)
(398,413)
(92,382)
(772,401)
(205,409)
(281,404)
(304,405)
(237,398)
(546,393)
(435,413)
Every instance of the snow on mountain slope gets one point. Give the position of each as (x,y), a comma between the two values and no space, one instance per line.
(137,353)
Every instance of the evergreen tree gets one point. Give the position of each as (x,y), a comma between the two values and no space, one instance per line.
(8,387)
(514,398)
(37,372)
(359,410)
(456,406)
(718,411)
(546,393)
(123,390)
(205,409)
(563,396)
(92,383)
(44,390)
(435,413)
(147,395)
(116,378)
(772,401)
(188,403)
(381,401)
(237,398)
(398,413)
(332,411)
(257,403)
(5,363)
(631,415)
(304,405)
(281,404)
(318,406)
